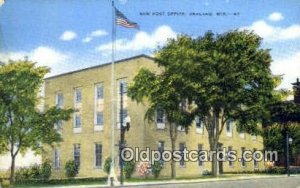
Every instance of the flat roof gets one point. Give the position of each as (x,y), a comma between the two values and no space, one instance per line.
(101,65)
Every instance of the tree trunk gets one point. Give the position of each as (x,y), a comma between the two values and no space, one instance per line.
(173,167)
(173,136)
(214,162)
(12,169)
(213,136)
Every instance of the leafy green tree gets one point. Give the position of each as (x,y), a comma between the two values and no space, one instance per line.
(284,122)
(226,76)
(22,125)
(160,91)
(274,139)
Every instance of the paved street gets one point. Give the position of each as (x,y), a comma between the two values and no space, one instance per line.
(277,182)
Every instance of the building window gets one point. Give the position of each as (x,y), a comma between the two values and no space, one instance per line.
(59,99)
(160,118)
(58,125)
(229,128)
(242,132)
(242,158)
(77,121)
(77,154)
(161,148)
(99,91)
(98,155)
(200,149)
(99,120)
(255,162)
(78,95)
(199,125)
(56,158)
(124,86)
(181,149)
(229,158)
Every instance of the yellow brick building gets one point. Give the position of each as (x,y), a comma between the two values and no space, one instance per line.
(87,136)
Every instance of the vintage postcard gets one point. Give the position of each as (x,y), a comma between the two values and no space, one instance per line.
(142,92)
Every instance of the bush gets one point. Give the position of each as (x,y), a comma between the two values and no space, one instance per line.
(67,181)
(42,172)
(129,168)
(275,170)
(71,169)
(156,168)
(35,172)
(206,173)
(5,183)
(107,164)
(46,170)
(22,174)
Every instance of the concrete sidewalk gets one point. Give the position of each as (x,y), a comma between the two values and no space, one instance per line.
(199,180)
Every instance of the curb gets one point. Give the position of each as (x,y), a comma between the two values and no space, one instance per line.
(158,183)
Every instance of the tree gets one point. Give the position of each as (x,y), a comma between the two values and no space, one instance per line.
(160,91)
(227,76)
(286,114)
(274,140)
(22,125)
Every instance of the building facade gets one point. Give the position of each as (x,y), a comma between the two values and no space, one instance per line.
(87,136)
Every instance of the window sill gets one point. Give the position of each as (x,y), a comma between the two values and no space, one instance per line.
(199,131)
(77,130)
(160,126)
(98,128)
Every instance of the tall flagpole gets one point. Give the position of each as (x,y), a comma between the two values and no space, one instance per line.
(112,178)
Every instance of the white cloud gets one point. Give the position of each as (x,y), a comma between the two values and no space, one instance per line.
(289,67)
(87,39)
(142,40)
(94,34)
(47,56)
(98,33)
(271,33)
(43,55)
(68,36)
(275,16)
(123,1)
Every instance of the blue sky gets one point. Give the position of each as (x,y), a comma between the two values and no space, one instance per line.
(72,34)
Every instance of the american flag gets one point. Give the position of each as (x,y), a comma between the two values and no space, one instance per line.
(122,20)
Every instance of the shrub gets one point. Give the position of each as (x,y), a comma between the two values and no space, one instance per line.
(107,164)
(129,168)
(5,183)
(46,170)
(60,182)
(71,169)
(22,174)
(35,172)
(42,172)
(156,168)
(206,173)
